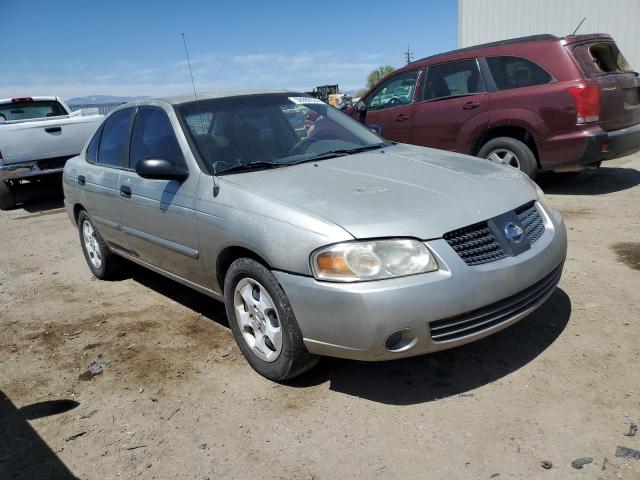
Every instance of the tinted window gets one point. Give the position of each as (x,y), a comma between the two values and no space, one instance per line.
(153,137)
(114,133)
(453,79)
(92,149)
(516,72)
(394,92)
(29,110)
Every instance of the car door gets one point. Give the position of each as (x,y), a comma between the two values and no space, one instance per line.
(158,216)
(98,177)
(453,107)
(390,107)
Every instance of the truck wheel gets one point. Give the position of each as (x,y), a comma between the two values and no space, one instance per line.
(102,263)
(263,322)
(7,196)
(512,152)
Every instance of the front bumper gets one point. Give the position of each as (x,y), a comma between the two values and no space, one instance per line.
(354,320)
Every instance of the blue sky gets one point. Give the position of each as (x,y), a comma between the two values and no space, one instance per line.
(113,47)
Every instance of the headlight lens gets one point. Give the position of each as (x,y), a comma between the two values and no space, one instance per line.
(372,260)
(540,193)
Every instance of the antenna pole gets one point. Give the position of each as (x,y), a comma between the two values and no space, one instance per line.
(408,55)
(579,25)
(216,187)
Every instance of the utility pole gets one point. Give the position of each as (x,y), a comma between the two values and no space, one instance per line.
(408,55)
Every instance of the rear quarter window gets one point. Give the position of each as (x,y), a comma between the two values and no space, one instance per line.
(516,72)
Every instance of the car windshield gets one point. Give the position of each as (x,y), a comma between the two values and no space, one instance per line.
(271,130)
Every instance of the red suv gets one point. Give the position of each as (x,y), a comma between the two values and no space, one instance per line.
(536,103)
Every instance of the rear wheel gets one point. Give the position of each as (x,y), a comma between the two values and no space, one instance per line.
(102,263)
(263,323)
(7,196)
(511,152)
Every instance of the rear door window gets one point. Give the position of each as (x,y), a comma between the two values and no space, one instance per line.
(395,92)
(153,137)
(516,72)
(114,135)
(452,79)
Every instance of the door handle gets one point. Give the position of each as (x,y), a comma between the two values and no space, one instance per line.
(402,117)
(81,180)
(53,129)
(470,105)
(125,191)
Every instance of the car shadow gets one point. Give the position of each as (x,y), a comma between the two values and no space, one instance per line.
(23,454)
(411,380)
(589,182)
(198,302)
(39,197)
(447,373)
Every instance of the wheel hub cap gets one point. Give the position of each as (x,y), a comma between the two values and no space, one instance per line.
(91,244)
(258,319)
(504,157)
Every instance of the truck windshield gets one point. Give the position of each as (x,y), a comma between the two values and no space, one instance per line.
(239,133)
(30,109)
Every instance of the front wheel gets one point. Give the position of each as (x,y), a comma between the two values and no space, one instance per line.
(263,323)
(511,152)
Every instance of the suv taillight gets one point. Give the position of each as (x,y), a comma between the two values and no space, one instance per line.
(587,103)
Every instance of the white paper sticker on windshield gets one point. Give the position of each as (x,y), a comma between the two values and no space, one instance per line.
(305,100)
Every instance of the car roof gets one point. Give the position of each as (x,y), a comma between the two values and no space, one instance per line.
(180,99)
(35,99)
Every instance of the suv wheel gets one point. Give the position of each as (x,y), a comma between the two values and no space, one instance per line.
(102,263)
(263,322)
(7,196)
(512,152)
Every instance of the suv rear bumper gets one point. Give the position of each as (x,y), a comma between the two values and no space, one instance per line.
(588,147)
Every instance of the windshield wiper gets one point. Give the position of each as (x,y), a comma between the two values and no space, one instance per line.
(246,167)
(341,152)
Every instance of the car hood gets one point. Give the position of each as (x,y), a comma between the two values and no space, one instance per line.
(401,190)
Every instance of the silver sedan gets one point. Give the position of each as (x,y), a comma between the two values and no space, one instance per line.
(320,237)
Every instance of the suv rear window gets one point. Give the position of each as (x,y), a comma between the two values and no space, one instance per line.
(516,72)
(31,110)
(608,59)
(453,79)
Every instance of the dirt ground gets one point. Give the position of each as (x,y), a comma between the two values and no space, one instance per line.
(173,403)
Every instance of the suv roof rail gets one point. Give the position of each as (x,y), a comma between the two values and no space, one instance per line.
(510,41)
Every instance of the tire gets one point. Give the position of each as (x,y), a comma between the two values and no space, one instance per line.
(96,249)
(509,151)
(7,196)
(266,312)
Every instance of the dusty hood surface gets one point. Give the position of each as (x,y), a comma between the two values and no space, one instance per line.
(401,190)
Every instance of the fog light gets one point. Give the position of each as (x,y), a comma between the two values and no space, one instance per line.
(401,340)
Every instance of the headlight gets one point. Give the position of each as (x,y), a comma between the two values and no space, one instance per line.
(371,260)
(541,196)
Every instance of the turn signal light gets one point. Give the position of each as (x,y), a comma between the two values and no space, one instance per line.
(587,99)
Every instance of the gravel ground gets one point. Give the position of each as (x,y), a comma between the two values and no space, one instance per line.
(173,402)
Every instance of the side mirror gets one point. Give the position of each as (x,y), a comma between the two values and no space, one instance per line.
(160,169)
(377,129)
(362,107)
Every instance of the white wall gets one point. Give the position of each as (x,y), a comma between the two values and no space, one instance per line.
(481,21)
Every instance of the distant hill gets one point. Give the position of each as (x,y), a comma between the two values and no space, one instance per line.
(100,99)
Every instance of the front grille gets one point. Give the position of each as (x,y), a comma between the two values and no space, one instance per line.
(531,221)
(488,317)
(477,243)
(53,163)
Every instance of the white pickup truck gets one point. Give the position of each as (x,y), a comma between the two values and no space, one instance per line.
(37,136)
